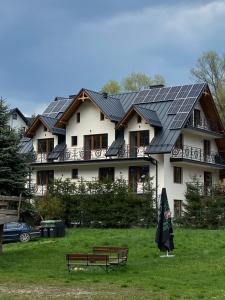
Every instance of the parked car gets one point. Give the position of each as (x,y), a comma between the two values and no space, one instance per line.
(22,232)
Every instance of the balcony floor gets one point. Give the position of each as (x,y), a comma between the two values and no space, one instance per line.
(186,161)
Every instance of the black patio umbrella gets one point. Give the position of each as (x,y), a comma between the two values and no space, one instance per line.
(164,233)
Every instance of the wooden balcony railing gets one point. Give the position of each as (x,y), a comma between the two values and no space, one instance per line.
(198,154)
(82,154)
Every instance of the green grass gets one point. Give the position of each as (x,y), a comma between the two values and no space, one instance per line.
(196,272)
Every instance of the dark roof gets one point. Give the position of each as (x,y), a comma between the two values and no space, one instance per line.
(56,152)
(25,145)
(110,106)
(167,108)
(16,110)
(50,124)
(30,120)
(115,147)
(149,115)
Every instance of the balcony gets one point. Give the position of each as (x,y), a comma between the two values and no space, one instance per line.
(81,154)
(203,125)
(197,155)
(207,189)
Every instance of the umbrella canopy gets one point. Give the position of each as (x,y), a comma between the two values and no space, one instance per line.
(164,233)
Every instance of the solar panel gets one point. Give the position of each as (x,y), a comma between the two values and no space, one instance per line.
(175,107)
(56,108)
(141,96)
(163,92)
(187,104)
(179,121)
(173,93)
(196,90)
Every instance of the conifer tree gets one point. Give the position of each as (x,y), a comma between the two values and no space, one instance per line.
(13,167)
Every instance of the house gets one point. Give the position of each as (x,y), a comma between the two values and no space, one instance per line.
(18,121)
(173,134)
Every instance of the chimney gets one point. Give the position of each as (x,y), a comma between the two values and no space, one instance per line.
(105,95)
(156,86)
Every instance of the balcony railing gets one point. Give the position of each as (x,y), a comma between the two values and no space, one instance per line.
(202,123)
(207,189)
(82,154)
(198,154)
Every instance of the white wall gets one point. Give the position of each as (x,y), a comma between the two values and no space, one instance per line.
(133,125)
(90,123)
(176,191)
(41,134)
(18,123)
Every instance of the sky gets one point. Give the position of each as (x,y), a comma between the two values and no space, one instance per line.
(52,48)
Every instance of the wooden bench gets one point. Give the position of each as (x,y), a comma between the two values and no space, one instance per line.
(117,255)
(87,260)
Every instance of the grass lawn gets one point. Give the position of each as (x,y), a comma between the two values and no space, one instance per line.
(38,268)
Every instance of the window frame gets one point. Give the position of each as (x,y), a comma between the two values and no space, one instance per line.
(78,117)
(107,176)
(177,177)
(74,137)
(102,116)
(139,119)
(74,173)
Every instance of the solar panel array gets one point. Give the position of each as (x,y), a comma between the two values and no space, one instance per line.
(169,93)
(183,104)
(56,108)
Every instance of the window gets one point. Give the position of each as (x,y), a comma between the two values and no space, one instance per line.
(138,119)
(45,177)
(207,148)
(45,128)
(106,174)
(74,173)
(179,142)
(14,116)
(74,140)
(197,117)
(97,141)
(177,206)
(177,175)
(102,117)
(144,138)
(78,117)
(45,145)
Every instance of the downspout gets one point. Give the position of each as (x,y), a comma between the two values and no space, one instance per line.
(155,163)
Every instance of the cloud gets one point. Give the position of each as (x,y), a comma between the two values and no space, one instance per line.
(52,47)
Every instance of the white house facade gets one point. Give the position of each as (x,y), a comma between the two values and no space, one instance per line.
(173,134)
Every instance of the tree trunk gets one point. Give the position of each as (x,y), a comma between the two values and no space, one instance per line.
(1,237)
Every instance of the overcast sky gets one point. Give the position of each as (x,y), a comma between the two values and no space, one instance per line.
(55,47)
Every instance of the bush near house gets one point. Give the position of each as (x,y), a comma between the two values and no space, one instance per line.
(97,204)
(204,207)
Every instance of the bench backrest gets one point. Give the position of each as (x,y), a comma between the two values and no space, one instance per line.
(107,249)
(89,258)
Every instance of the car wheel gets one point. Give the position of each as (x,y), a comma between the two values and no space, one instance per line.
(24,237)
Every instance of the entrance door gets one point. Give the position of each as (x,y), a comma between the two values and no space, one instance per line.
(207,150)
(138,139)
(87,147)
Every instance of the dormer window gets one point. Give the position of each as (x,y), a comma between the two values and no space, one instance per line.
(102,117)
(78,117)
(138,119)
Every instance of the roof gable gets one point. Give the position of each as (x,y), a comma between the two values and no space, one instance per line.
(108,105)
(48,122)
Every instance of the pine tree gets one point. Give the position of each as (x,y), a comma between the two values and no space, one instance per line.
(13,167)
